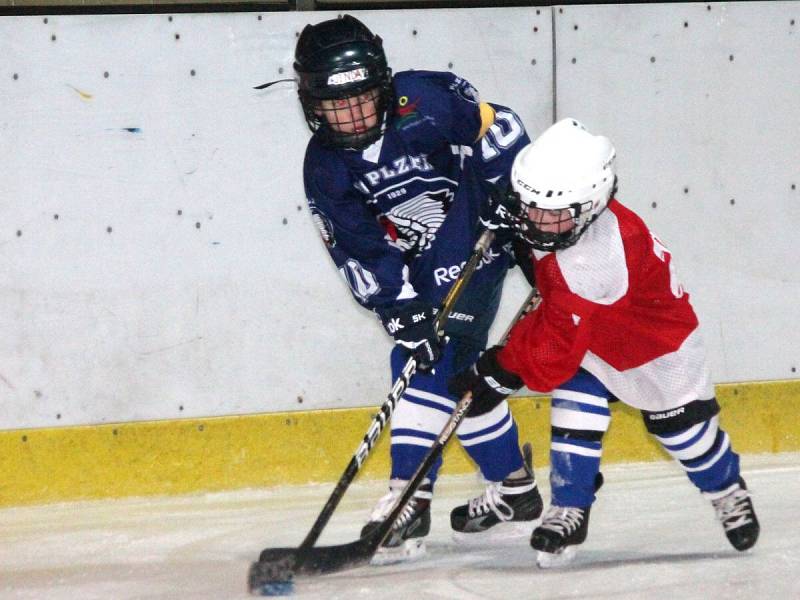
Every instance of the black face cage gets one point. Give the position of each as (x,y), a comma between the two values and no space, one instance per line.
(529,232)
(359,138)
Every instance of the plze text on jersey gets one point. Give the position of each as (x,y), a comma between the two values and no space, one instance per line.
(443,275)
(400,166)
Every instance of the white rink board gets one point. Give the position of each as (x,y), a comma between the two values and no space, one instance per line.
(158,258)
(212,294)
(704,97)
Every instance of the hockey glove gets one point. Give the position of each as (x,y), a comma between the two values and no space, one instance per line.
(489,383)
(497,212)
(412,327)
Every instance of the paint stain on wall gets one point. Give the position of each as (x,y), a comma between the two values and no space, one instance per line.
(82,94)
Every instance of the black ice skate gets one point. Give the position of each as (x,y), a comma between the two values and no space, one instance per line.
(562,529)
(407,538)
(735,511)
(511,500)
(516,500)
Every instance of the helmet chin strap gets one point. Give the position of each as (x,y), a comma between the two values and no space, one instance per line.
(550,242)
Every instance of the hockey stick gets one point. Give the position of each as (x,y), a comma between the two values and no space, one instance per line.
(291,560)
(280,564)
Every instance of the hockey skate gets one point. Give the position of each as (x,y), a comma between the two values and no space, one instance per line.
(513,501)
(735,511)
(563,528)
(406,541)
(510,500)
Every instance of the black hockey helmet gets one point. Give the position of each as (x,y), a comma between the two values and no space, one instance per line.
(342,59)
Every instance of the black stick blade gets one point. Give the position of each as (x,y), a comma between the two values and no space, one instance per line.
(278,564)
(280,568)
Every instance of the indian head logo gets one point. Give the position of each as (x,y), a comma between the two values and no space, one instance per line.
(412,224)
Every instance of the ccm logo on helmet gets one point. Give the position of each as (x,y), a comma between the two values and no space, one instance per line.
(522,184)
(359,74)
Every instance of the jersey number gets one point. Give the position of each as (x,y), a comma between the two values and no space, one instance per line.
(362,282)
(664,255)
(502,134)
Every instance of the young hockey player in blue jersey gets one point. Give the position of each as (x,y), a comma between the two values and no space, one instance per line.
(397,174)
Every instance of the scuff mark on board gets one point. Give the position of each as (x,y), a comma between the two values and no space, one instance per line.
(82,94)
(198,338)
(7,382)
(125,129)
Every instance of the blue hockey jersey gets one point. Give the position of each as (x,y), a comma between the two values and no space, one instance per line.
(400,217)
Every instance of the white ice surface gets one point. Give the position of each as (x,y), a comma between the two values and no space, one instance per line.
(651,536)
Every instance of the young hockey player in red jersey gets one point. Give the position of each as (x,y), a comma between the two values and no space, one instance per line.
(614,323)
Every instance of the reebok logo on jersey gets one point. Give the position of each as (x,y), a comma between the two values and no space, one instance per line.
(443,275)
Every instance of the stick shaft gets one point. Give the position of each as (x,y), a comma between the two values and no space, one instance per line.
(456,418)
(386,410)
(281,564)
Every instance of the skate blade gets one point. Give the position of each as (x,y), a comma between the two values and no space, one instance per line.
(500,533)
(411,549)
(549,560)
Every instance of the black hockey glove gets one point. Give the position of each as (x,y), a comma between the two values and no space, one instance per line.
(496,214)
(412,327)
(489,383)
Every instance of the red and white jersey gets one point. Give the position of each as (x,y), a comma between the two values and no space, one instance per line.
(612,305)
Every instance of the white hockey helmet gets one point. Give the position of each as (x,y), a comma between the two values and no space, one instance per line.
(567,171)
